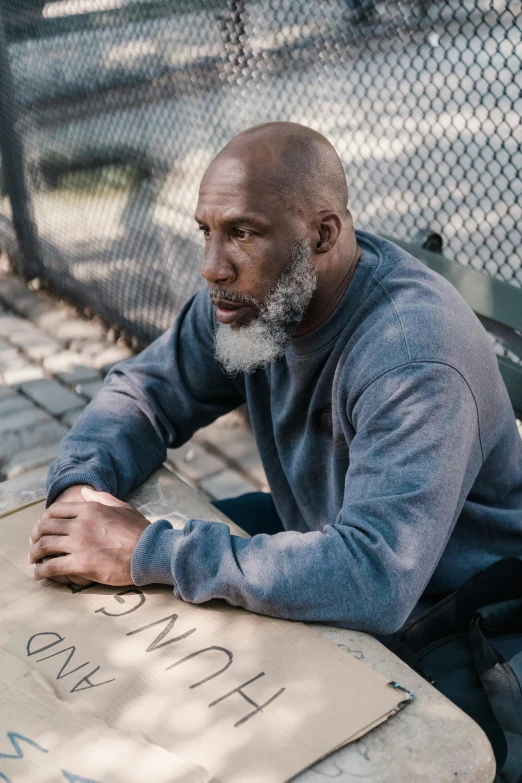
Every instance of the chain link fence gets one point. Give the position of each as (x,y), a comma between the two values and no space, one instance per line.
(111,110)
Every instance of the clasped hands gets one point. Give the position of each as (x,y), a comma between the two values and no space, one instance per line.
(86,536)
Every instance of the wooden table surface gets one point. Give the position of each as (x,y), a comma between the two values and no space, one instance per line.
(430,741)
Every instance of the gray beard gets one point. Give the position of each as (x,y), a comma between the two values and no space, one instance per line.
(265,338)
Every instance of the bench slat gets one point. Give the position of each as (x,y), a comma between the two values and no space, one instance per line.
(485,295)
(512,377)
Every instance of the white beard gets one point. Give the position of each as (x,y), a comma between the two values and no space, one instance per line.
(264,339)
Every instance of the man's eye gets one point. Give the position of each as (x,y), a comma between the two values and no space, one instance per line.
(240,233)
(206,231)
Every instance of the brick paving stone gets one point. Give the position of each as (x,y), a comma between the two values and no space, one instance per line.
(17,369)
(9,445)
(226,427)
(52,320)
(226,484)
(44,432)
(100,355)
(34,343)
(24,330)
(6,349)
(194,462)
(29,459)
(52,396)
(73,329)
(88,349)
(15,294)
(23,419)
(68,367)
(70,419)
(29,306)
(235,440)
(110,356)
(10,323)
(89,388)
(12,290)
(251,465)
(15,402)
(7,391)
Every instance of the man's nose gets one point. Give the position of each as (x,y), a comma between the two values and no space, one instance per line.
(217,269)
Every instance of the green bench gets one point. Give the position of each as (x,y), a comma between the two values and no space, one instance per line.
(498,305)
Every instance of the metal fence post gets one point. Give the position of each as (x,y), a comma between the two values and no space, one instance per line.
(14,172)
(233,35)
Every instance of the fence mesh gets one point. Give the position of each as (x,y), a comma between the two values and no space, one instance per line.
(120,107)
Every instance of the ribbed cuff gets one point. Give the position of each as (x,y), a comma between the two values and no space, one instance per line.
(76,475)
(151,562)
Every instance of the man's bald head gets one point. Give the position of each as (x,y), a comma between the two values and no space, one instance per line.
(279,240)
(294,162)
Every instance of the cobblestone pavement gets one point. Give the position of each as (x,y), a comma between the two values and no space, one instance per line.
(52,363)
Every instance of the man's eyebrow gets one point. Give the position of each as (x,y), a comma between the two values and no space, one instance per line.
(237,219)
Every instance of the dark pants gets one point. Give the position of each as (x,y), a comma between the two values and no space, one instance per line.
(255,512)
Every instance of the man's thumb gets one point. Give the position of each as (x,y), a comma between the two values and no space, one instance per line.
(105,498)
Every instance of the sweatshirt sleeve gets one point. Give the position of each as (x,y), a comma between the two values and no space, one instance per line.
(413,460)
(153,401)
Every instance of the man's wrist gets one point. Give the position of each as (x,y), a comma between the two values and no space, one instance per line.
(74,476)
(73,493)
(152,559)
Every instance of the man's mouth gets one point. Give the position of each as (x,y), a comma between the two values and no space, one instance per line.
(232,312)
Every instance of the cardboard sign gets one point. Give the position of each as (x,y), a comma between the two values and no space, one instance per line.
(249,698)
(46,740)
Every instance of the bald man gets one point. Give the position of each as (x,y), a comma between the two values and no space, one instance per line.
(385,430)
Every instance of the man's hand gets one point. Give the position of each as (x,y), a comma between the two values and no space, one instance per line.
(72,494)
(93,539)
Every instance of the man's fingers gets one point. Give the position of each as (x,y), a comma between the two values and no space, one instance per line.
(63,510)
(54,519)
(49,545)
(48,526)
(53,567)
(64,580)
(77,581)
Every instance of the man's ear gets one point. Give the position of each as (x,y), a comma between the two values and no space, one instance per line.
(327,231)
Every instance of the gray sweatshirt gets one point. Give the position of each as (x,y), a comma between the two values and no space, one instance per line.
(386,434)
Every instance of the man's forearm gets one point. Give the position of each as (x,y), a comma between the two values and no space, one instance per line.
(113,447)
(316,576)
(155,400)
